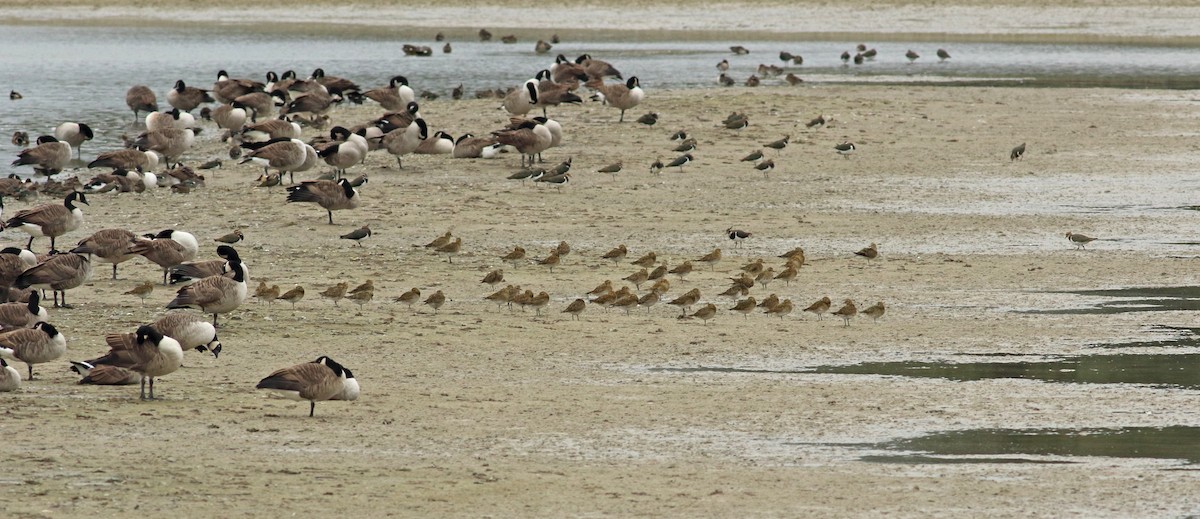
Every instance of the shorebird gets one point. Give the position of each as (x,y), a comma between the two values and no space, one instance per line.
(657,166)
(845,149)
(361,297)
(686,145)
(912,56)
(847,311)
(611,169)
(450,249)
(679,135)
(680,161)
(725,81)
(409,298)
(739,50)
(875,311)
(685,301)
(788,274)
(616,254)
(266,293)
(649,119)
(754,156)
(737,235)
(769,302)
(141,291)
(231,238)
(943,55)
(870,252)
(167,249)
(781,309)
(765,166)
(637,278)
(439,241)
(493,277)
(20,139)
(711,258)
(1017,153)
(646,261)
(661,286)
(1079,240)
(551,261)
(820,307)
(320,380)
(745,306)
(796,255)
(650,299)
(517,254)
(358,235)
(817,123)
(336,292)
(682,269)
(658,272)
(779,144)
(706,312)
(539,301)
(436,300)
(293,296)
(845,57)
(792,79)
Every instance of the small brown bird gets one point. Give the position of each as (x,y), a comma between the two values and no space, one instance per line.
(1017,153)
(745,306)
(754,156)
(293,296)
(503,296)
(267,294)
(661,286)
(551,261)
(602,288)
(231,238)
(788,274)
(575,308)
(1079,240)
(847,311)
(368,285)
(517,254)
(563,248)
(706,312)
(646,261)
(409,298)
(493,277)
(765,277)
(875,311)
(617,254)
(686,300)
(711,258)
(682,270)
(870,252)
(362,297)
(754,268)
(658,272)
(820,307)
(358,235)
(439,241)
(336,292)
(143,291)
(650,299)
(450,249)
(781,309)
(436,300)
(611,169)
(779,144)
(769,302)
(539,301)
(791,255)
(637,278)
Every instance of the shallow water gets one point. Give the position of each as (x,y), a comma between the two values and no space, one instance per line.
(81,72)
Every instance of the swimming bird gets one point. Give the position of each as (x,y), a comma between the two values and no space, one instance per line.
(51,220)
(73,133)
(20,139)
(320,380)
(109,246)
(358,235)
(739,50)
(845,149)
(140,98)
(1017,153)
(845,57)
(216,294)
(1080,241)
(792,79)
(620,96)
(37,345)
(187,98)
(48,157)
(723,65)
(328,194)
(147,352)
(293,296)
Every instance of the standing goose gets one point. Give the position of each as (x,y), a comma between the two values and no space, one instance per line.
(345,150)
(286,155)
(49,219)
(108,245)
(328,194)
(619,96)
(140,98)
(74,134)
(59,273)
(173,118)
(192,332)
(187,98)
(261,103)
(554,94)
(23,315)
(596,68)
(147,352)
(529,137)
(316,102)
(231,117)
(393,97)
(13,262)
(226,90)
(400,141)
(171,143)
(10,379)
(38,345)
(216,294)
(334,84)
(190,271)
(49,157)
(521,100)
(564,70)
(167,249)
(316,381)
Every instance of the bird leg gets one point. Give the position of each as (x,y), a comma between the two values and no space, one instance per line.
(312,406)
(330,216)
(143,393)
(115,273)
(30,366)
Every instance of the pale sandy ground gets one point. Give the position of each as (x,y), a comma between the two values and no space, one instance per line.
(477,412)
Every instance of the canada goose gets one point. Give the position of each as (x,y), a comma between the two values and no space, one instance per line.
(529,138)
(345,150)
(49,219)
(551,93)
(187,98)
(147,352)
(564,70)
(226,90)
(48,157)
(192,332)
(333,84)
(59,272)
(216,294)
(619,96)
(23,315)
(104,375)
(595,68)
(284,154)
(316,102)
(40,344)
(271,129)
(328,194)
(74,134)
(393,97)
(167,249)
(173,118)
(400,141)
(140,98)
(10,378)
(441,143)
(108,245)
(469,146)
(261,103)
(126,159)
(171,143)
(316,381)
(399,119)
(13,262)
(521,100)
(231,117)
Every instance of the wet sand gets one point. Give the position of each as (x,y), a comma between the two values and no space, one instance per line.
(479,411)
